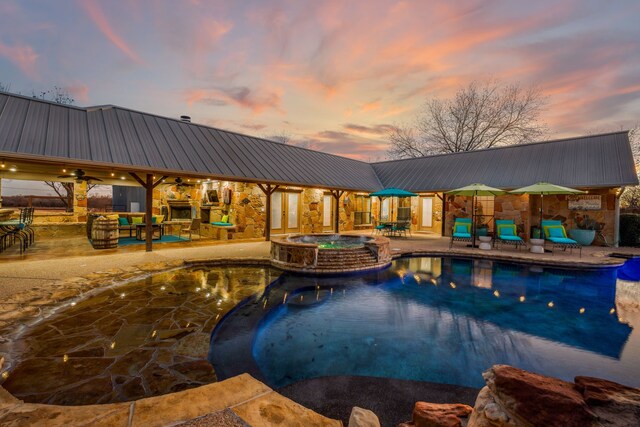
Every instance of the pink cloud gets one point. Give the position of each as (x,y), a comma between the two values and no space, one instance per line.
(23,56)
(79,91)
(97,16)
(244,97)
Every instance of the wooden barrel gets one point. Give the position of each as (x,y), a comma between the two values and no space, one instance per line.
(104,233)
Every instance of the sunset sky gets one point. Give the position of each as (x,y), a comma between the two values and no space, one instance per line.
(335,75)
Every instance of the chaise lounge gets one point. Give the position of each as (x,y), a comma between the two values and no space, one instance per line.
(555,233)
(507,233)
(461,231)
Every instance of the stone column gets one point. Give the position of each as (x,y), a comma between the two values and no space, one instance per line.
(80,200)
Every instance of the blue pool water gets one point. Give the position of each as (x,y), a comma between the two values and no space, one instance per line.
(442,320)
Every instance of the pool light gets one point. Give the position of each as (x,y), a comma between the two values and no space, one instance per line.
(550,304)
(496,293)
(613,310)
(522,298)
(582,310)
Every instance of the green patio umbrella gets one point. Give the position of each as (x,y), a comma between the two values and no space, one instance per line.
(475,190)
(392,192)
(543,189)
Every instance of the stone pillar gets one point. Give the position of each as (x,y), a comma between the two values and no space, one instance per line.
(80,200)
(0,192)
(616,218)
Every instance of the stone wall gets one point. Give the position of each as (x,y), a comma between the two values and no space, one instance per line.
(524,210)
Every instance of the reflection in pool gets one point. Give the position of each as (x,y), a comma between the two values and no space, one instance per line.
(141,339)
(432,319)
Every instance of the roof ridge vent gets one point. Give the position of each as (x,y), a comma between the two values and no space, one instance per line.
(186,119)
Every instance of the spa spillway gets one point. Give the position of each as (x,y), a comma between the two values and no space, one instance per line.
(329,253)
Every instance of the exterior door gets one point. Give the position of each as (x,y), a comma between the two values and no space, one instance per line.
(285,212)
(426,213)
(327,212)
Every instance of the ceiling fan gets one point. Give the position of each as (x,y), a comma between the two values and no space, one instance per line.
(79,175)
(180,183)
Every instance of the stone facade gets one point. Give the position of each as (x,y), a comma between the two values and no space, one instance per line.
(524,210)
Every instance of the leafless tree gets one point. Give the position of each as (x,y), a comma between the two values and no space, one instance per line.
(64,190)
(282,136)
(4,87)
(630,199)
(481,115)
(57,94)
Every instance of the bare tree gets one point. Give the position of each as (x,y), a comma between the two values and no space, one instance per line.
(282,136)
(5,87)
(64,190)
(630,199)
(57,94)
(480,115)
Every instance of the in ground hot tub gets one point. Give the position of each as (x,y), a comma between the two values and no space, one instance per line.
(329,253)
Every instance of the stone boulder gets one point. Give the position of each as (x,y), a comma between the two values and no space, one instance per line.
(438,415)
(613,403)
(361,417)
(514,397)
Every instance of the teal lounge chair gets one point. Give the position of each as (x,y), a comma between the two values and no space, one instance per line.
(507,233)
(461,231)
(555,233)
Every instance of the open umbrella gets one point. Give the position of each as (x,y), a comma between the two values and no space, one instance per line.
(543,189)
(475,190)
(392,192)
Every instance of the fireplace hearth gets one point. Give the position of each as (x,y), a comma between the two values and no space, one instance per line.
(179,210)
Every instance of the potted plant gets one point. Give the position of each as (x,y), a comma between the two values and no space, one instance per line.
(586,231)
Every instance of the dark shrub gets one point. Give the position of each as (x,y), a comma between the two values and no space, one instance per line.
(630,230)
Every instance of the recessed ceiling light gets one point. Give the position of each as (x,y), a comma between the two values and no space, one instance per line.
(13,168)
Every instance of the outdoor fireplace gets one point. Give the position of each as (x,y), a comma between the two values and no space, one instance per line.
(179,210)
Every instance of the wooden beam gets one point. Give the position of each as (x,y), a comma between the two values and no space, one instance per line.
(268,190)
(158,182)
(337,194)
(148,214)
(137,178)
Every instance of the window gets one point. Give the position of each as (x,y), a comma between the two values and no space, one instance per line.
(362,212)
(484,211)
(404,209)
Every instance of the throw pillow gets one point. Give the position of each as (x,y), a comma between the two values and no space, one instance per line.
(123,221)
(507,231)
(555,232)
(225,218)
(136,220)
(461,229)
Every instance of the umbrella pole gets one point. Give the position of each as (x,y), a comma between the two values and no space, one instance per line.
(473,221)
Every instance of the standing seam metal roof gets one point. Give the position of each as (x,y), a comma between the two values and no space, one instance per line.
(590,161)
(121,138)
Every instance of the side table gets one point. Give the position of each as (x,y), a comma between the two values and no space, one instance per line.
(537,246)
(485,242)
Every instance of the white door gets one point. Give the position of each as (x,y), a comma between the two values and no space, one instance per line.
(285,212)
(327,212)
(426,213)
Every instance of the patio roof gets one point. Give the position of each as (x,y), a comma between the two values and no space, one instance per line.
(586,162)
(115,137)
(110,137)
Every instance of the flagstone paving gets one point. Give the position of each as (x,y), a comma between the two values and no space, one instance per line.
(145,338)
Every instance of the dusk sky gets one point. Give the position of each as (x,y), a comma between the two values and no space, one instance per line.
(332,74)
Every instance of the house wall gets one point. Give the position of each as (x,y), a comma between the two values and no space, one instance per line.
(524,210)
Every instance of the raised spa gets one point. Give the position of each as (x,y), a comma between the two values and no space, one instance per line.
(329,253)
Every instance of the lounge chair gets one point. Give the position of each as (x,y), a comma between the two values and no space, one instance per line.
(507,233)
(555,233)
(461,231)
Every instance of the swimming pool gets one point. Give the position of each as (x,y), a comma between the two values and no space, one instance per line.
(442,320)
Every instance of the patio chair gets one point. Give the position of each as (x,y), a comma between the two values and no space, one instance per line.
(401,228)
(507,233)
(194,226)
(377,227)
(555,233)
(461,231)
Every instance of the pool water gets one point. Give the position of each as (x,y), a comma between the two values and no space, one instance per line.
(442,320)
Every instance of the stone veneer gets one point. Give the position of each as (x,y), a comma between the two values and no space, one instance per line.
(524,211)
(308,258)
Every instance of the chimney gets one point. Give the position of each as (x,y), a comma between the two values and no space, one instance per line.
(186,119)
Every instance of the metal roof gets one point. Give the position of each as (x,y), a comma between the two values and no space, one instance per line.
(589,161)
(111,136)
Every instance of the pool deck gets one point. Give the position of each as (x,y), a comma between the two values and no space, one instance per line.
(61,270)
